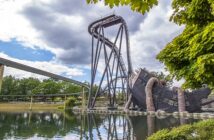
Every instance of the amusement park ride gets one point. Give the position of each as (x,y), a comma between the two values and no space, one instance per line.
(111,57)
(112,73)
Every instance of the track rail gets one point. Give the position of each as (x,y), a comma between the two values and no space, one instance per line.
(107,22)
(16,65)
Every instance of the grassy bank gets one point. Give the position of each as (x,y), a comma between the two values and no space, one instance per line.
(17,106)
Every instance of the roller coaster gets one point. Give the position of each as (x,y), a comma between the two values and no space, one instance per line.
(111,68)
(116,71)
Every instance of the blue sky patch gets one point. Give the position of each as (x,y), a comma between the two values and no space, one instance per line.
(17,50)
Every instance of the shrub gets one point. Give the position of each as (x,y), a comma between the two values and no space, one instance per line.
(72,101)
(58,99)
(203,130)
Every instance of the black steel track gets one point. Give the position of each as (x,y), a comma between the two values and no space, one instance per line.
(107,22)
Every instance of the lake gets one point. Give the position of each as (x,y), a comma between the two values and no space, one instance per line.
(69,126)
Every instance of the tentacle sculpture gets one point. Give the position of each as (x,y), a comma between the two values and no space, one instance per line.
(181,100)
(149,99)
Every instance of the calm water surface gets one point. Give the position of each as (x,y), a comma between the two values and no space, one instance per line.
(68,126)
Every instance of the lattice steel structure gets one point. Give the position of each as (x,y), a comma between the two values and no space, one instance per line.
(114,70)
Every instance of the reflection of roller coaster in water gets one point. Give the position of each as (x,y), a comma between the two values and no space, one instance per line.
(124,127)
(111,68)
(108,127)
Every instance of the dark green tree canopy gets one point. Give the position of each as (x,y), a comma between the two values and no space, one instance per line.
(191,54)
(192,12)
(141,6)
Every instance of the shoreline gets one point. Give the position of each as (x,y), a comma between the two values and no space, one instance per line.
(25,106)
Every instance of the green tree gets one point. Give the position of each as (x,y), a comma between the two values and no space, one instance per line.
(27,85)
(14,86)
(141,6)
(191,54)
(9,86)
(48,86)
(70,88)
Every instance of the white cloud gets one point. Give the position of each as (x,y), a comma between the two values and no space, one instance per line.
(178,83)
(66,34)
(154,33)
(15,26)
(51,66)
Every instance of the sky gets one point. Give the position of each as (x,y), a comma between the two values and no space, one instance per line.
(52,35)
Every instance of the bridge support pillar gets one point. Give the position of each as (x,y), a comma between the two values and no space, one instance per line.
(1,75)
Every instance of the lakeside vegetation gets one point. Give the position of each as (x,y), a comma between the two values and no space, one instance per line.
(33,86)
(203,130)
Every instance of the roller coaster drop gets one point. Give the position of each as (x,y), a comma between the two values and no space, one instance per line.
(115,73)
(109,70)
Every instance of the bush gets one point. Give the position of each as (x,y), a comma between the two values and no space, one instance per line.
(72,101)
(60,107)
(58,99)
(203,130)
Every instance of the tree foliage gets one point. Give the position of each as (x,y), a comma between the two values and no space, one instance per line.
(27,86)
(141,6)
(191,54)
(9,85)
(48,86)
(161,76)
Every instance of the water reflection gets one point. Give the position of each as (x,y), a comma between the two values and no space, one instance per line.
(28,125)
(65,125)
(108,127)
